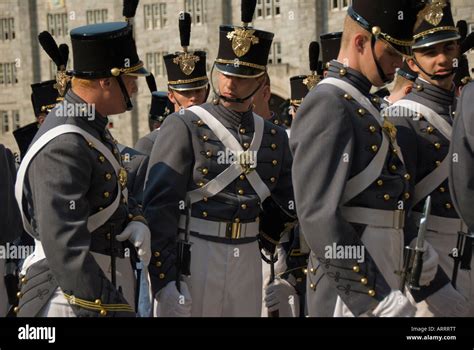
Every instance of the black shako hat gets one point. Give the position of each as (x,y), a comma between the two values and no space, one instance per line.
(392,21)
(44,96)
(434,25)
(105,50)
(302,84)
(186,71)
(330,46)
(243,51)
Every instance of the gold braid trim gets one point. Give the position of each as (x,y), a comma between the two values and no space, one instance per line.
(45,108)
(237,63)
(434,30)
(186,81)
(97,305)
(397,41)
(296,102)
(117,71)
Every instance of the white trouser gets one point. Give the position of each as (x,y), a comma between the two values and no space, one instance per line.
(226,279)
(58,306)
(385,246)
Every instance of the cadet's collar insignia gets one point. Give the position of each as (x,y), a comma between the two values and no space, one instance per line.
(187,62)
(242,40)
(433,13)
(311,81)
(390,129)
(123,177)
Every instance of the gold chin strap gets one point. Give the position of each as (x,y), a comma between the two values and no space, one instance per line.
(118,71)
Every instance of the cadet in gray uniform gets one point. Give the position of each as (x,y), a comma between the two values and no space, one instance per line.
(349,178)
(73,183)
(188,84)
(227,164)
(424,122)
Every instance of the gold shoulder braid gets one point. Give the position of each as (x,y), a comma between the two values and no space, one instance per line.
(242,40)
(187,62)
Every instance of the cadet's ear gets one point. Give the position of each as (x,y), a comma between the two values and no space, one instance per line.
(171,97)
(408,89)
(413,66)
(105,83)
(359,41)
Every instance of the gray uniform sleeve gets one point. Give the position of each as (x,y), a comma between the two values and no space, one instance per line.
(169,171)
(10,221)
(461,182)
(144,145)
(322,143)
(59,178)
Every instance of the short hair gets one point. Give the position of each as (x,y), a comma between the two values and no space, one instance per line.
(400,82)
(351,27)
(85,83)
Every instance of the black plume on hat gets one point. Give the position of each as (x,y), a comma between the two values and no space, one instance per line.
(248,9)
(64,51)
(185,28)
(49,45)
(129,8)
(462,27)
(150,80)
(313,56)
(467,43)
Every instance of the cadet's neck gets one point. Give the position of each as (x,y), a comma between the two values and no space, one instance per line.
(446,84)
(237,107)
(433,93)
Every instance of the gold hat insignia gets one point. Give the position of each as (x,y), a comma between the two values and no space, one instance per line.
(187,62)
(311,81)
(242,40)
(433,13)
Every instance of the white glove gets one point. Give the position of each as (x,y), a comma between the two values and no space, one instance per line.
(171,303)
(281,295)
(430,263)
(396,304)
(139,235)
(448,302)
